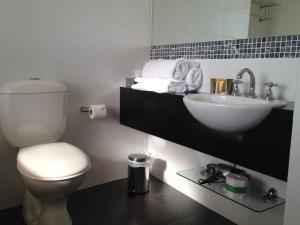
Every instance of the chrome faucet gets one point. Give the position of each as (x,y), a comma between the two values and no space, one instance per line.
(240,75)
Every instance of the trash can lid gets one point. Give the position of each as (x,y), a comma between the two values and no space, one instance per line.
(139,157)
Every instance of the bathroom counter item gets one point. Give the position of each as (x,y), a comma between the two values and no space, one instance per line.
(138,173)
(180,70)
(159,85)
(165,116)
(166,69)
(253,200)
(236,184)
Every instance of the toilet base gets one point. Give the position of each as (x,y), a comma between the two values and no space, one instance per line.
(45,212)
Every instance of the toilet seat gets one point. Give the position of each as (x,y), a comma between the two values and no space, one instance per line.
(52,162)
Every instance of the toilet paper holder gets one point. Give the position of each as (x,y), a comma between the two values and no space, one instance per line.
(84,109)
(95,112)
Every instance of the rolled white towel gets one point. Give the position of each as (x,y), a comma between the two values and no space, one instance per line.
(194,64)
(161,88)
(193,79)
(159,85)
(178,87)
(166,69)
(181,70)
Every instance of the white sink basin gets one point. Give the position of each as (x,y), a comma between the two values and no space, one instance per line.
(229,113)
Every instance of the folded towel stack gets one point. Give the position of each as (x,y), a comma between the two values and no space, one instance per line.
(166,69)
(162,76)
(159,85)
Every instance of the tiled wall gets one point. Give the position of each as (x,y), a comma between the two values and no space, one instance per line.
(91,46)
(177,21)
(264,47)
(293,190)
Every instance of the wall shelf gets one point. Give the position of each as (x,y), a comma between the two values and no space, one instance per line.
(253,200)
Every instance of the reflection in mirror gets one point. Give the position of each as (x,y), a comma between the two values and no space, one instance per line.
(177,21)
(274,17)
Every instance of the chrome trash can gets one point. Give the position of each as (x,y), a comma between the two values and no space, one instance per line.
(138,173)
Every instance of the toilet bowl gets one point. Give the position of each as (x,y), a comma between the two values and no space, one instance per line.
(45,202)
(51,173)
(33,118)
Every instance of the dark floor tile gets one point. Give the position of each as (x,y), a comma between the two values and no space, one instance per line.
(12,216)
(116,194)
(81,205)
(137,213)
(207,218)
(180,204)
(112,194)
(157,187)
(110,204)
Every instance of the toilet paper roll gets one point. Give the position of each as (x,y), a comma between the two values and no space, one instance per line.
(97,112)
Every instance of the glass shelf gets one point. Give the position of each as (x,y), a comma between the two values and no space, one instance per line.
(253,200)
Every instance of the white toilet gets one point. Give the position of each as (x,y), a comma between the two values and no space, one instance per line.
(33,117)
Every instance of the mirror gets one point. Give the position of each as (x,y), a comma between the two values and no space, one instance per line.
(178,21)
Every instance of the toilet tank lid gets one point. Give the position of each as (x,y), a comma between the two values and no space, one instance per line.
(32,86)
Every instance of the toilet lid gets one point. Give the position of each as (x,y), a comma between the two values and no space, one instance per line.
(52,162)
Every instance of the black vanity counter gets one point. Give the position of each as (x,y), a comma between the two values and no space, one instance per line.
(264,149)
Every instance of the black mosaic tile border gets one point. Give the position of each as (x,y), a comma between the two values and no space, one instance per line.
(264,47)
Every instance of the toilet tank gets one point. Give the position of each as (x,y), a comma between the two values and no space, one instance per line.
(33,112)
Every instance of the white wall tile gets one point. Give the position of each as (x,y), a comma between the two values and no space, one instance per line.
(80,74)
(103,137)
(129,12)
(108,167)
(207,20)
(58,35)
(212,3)
(163,36)
(236,24)
(298,78)
(205,37)
(122,41)
(292,205)
(57,7)
(86,37)
(113,78)
(242,6)
(297,106)
(173,14)
(87,9)
(81,43)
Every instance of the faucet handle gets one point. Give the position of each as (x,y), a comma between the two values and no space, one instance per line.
(270,84)
(236,83)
